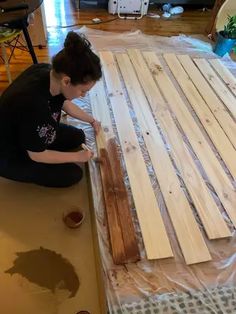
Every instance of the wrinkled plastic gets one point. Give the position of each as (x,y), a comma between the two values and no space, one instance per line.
(169,285)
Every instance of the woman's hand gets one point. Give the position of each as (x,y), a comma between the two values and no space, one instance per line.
(84,155)
(56,157)
(96,125)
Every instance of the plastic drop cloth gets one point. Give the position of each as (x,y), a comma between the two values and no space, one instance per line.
(169,285)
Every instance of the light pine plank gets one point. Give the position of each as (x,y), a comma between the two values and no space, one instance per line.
(152,227)
(215,132)
(215,104)
(188,234)
(121,229)
(219,87)
(215,172)
(209,213)
(207,209)
(101,113)
(225,74)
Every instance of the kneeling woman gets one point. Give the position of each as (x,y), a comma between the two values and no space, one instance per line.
(34,146)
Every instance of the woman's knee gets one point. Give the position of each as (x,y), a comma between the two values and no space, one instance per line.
(72,176)
(60,176)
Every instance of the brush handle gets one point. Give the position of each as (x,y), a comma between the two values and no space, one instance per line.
(95,159)
(85,147)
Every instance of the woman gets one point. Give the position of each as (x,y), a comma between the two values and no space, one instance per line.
(34,146)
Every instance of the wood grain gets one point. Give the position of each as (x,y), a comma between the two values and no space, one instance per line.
(123,208)
(219,87)
(190,22)
(107,150)
(152,227)
(209,213)
(101,112)
(214,103)
(225,74)
(114,226)
(211,125)
(213,169)
(188,234)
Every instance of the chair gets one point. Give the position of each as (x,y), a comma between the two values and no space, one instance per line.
(8,35)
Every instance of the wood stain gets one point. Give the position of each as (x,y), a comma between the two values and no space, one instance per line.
(73,219)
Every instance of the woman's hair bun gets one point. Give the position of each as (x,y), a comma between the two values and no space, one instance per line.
(76,44)
(77,60)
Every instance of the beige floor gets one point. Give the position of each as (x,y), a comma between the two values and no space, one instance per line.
(43,280)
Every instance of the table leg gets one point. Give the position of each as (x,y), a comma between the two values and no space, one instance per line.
(29,42)
(211,26)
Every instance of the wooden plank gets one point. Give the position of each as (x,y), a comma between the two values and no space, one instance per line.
(121,228)
(215,104)
(123,209)
(101,112)
(116,239)
(225,74)
(215,132)
(219,87)
(155,238)
(207,209)
(188,234)
(213,169)
(209,213)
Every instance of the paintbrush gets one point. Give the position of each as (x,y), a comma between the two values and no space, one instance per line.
(85,147)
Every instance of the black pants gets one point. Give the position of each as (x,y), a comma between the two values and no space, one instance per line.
(23,169)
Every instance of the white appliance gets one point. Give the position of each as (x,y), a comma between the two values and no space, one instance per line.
(137,7)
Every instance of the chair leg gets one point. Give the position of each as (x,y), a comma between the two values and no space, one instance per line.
(4,55)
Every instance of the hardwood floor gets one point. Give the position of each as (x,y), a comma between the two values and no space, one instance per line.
(60,14)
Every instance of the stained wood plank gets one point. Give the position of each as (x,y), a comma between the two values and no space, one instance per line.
(152,227)
(209,213)
(215,172)
(121,229)
(225,74)
(215,104)
(123,209)
(188,234)
(219,87)
(215,132)
(115,232)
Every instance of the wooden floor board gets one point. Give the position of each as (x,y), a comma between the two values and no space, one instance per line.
(62,13)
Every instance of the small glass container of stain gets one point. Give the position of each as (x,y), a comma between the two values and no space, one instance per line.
(73,217)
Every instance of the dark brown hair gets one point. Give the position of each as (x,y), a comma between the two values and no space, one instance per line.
(77,60)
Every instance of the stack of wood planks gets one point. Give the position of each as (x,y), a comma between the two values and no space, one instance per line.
(205,116)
